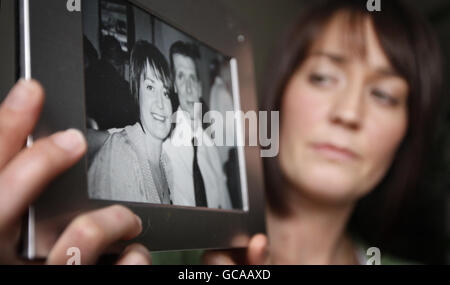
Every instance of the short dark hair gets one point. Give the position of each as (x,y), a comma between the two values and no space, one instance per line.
(412,48)
(144,51)
(185,49)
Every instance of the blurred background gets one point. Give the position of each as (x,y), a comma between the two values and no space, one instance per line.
(424,232)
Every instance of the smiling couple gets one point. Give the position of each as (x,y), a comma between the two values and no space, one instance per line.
(139,163)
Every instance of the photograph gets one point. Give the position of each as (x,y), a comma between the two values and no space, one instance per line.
(153,94)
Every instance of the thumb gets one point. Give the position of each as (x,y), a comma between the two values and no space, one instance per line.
(258,250)
(218,258)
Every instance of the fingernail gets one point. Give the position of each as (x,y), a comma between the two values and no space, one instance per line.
(135,259)
(71,141)
(138,219)
(22,96)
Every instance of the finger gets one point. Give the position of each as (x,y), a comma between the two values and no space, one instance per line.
(93,232)
(28,173)
(18,116)
(217,257)
(257,252)
(135,254)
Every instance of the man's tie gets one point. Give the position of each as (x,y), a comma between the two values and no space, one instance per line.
(199,185)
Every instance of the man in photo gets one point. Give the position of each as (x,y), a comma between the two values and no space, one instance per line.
(198,178)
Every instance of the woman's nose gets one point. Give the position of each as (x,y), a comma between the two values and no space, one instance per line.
(348,108)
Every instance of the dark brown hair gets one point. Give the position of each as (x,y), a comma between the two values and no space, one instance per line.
(142,53)
(413,50)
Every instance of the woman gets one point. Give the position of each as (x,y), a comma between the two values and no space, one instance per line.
(356,93)
(129,166)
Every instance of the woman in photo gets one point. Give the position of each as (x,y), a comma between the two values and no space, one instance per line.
(357,93)
(130,165)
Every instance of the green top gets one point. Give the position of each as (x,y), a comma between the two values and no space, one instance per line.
(195,257)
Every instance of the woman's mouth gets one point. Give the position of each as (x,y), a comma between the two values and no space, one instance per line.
(334,152)
(158,117)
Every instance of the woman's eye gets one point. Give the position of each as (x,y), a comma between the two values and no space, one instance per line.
(150,88)
(320,79)
(384,97)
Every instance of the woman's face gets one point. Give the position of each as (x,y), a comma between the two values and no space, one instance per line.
(344,117)
(154,103)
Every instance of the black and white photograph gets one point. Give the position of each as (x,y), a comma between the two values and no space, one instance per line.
(150,93)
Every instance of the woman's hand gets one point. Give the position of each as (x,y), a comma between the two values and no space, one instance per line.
(257,253)
(24,173)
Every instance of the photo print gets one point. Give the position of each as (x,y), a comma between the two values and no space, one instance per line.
(157,101)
